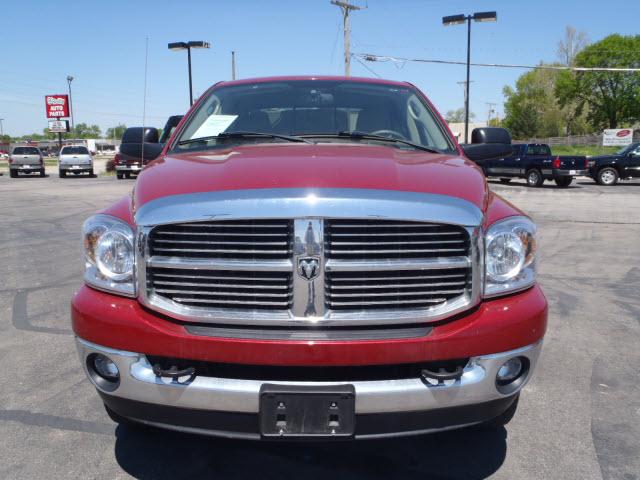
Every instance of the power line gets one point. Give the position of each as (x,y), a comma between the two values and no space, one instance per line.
(369,57)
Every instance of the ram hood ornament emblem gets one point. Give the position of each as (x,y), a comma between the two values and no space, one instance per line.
(309,267)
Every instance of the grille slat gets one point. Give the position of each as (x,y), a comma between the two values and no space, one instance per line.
(250,240)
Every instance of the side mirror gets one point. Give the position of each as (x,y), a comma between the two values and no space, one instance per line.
(142,143)
(169,127)
(487,144)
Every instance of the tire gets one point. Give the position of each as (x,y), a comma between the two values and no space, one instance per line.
(534,178)
(62,174)
(13,174)
(119,176)
(505,180)
(563,182)
(607,176)
(127,174)
(91,173)
(42,172)
(504,418)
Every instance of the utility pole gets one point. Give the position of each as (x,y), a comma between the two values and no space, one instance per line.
(233,65)
(1,127)
(346,8)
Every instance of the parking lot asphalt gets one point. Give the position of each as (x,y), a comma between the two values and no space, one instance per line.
(579,418)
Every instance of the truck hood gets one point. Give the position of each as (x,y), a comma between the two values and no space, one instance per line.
(604,157)
(325,165)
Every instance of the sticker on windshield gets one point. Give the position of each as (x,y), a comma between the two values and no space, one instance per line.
(214,125)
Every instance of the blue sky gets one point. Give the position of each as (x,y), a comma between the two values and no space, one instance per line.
(102,45)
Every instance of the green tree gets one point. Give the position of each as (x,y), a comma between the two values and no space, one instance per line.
(532,109)
(115,132)
(82,130)
(457,116)
(610,99)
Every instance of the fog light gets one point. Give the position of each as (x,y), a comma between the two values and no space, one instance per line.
(105,367)
(510,370)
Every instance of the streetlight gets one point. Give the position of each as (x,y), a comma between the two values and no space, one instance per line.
(458,20)
(188,46)
(69,80)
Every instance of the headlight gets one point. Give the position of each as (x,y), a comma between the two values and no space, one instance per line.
(510,256)
(109,254)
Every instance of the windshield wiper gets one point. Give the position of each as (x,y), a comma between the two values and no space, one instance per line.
(236,135)
(353,134)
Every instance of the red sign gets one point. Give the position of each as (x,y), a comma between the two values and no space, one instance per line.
(623,133)
(57,106)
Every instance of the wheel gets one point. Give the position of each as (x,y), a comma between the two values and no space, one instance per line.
(62,174)
(13,174)
(42,172)
(505,180)
(505,417)
(607,176)
(91,173)
(534,178)
(119,176)
(563,182)
(127,174)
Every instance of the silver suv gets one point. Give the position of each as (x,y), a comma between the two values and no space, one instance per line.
(75,159)
(26,160)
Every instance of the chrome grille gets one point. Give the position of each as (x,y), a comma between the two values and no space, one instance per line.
(245,239)
(221,288)
(395,289)
(375,244)
(371,272)
(363,239)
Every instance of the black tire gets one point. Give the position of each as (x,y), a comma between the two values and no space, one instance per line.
(505,180)
(91,173)
(127,174)
(534,178)
(119,176)
(62,174)
(505,417)
(607,176)
(42,172)
(563,182)
(13,174)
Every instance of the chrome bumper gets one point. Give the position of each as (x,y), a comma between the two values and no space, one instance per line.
(75,166)
(139,383)
(128,168)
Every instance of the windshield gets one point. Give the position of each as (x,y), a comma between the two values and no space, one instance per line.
(74,151)
(314,108)
(26,151)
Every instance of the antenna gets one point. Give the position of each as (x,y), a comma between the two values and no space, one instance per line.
(144,95)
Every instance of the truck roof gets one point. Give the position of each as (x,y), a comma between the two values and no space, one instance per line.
(313,77)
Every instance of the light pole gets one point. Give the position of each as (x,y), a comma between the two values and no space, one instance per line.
(69,80)
(458,20)
(1,127)
(188,46)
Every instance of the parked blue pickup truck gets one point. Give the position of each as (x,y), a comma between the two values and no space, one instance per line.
(535,163)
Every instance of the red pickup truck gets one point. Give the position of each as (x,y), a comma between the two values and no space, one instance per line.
(311,257)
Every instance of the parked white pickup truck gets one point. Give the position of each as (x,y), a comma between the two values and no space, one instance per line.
(75,159)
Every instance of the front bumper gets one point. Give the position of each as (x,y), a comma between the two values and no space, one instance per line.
(230,407)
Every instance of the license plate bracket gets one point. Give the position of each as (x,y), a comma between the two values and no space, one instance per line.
(307,411)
